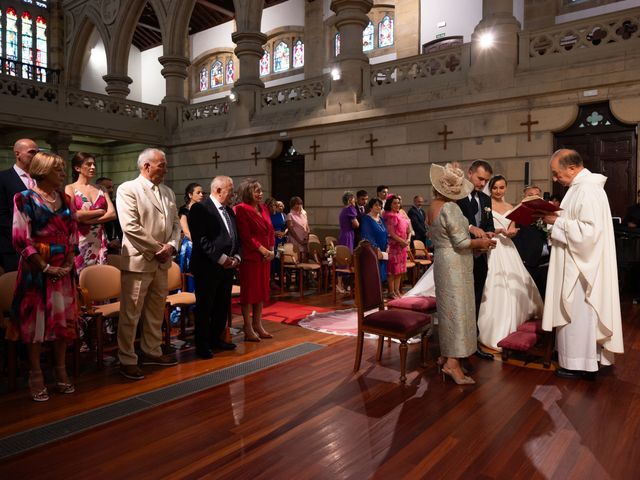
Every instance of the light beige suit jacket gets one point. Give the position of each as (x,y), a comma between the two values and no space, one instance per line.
(146,224)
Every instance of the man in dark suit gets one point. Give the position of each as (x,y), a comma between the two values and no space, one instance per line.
(477,208)
(532,245)
(362,198)
(215,256)
(13,180)
(418,219)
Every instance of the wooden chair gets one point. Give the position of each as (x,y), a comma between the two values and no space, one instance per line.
(313,238)
(317,255)
(183,299)
(289,260)
(421,256)
(342,264)
(330,241)
(398,324)
(99,287)
(412,269)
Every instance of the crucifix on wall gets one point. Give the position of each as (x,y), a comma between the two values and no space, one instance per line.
(215,158)
(255,154)
(314,147)
(371,141)
(528,124)
(445,134)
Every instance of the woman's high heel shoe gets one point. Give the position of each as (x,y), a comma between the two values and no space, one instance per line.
(442,360)
(37,389)
(63,387)
(459,381)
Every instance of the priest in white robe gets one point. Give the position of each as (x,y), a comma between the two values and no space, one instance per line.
(582,299)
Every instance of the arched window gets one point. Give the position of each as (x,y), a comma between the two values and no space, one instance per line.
(12,42)
(367,38)
(264,64)
(27,46)
(204,79)
(385,32)
(337,44)
(216,74)
(230,72)
(281,58)
(41,49)
(298,54)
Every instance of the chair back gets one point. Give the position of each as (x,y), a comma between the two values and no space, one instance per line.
(101,282)
(314,238)
(420,250)
(174,277)
(289,255)
(315,252)
(7,287)
(330,241)
(343,257)
(367,278)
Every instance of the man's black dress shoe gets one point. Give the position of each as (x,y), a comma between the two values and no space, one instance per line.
(575,374)
(205,353)
(483,355)
(222,345)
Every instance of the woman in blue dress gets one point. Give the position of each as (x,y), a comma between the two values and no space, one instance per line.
(192,194)
(373,229)
(279,222)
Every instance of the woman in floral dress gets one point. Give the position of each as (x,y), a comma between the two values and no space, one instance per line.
(399,229)
(94,209)
(44,301)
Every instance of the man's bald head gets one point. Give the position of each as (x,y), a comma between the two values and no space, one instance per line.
(24,150)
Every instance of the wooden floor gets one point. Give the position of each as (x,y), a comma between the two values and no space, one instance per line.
(313,418)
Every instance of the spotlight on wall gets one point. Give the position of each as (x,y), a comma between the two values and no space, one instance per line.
(233,96)
(486,40)
(336,74)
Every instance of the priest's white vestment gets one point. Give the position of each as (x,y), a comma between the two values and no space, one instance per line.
(582,298)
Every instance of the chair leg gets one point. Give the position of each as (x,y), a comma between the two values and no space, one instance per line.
(183,322)
(301,274)
(76,357)
(424,351)
(333,278)
(403,361)
(12,365)
(99,342)
(359,345)
(281,277)
(380,347)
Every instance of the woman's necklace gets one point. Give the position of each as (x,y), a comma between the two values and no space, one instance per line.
(43,194)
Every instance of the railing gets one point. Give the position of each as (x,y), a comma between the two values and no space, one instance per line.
(554,44)
(116,106)
(29,89)
(442,63)
(27,71)
(294,92)
(200,111)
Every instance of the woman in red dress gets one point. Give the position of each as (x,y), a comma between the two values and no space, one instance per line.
(257,239)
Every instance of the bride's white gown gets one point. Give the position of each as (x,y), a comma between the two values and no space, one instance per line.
(510,295)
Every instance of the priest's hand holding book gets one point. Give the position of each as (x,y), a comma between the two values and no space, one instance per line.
(532,208)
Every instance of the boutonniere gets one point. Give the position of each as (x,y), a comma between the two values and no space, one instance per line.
(487,210)
(542,226)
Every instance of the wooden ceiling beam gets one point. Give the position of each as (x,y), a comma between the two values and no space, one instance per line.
(216,8)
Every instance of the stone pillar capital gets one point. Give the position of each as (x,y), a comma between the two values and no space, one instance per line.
(249,50)
(117,85)
(174,70)
(60,143)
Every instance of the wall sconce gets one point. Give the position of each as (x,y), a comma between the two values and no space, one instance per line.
(336,74)
(233,96)
(486,40)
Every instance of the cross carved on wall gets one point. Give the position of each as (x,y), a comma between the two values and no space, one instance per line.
(528,124)
(255,154)
(216,157)
(445,133)
(314,147)
(371,141)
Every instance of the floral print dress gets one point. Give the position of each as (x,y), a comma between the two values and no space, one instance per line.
(92,240)
(42,309)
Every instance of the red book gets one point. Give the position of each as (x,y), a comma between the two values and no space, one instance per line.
(524,213)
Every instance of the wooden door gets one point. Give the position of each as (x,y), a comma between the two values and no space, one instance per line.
(287,175)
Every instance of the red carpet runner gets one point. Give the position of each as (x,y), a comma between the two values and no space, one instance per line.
(283,312)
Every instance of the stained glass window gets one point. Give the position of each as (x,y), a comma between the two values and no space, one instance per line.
(1,42)
(230,72)
(298,54)
(216,74)
(41,3)
(337,44)
(27,46)
(367,38)
(204,79)
(12,41)
(281,57)
(41,49)
(264,64)
(385,32)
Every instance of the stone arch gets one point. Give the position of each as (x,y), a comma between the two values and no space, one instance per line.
(178,17)
(78,46)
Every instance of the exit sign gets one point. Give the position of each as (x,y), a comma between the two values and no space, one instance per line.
(440,35)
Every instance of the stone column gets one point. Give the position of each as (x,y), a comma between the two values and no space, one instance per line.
(495,66)
(248,85)
(314,43)
(60,143)
(351,19)
(56,40)
(117,85)
(408,37)
(175,73)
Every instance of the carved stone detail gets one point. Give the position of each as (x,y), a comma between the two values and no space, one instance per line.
(109,10)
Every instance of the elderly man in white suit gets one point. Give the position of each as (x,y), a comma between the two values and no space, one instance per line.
(151,232)
(582,299)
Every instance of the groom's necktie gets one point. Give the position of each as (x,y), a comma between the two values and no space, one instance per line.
(475,207)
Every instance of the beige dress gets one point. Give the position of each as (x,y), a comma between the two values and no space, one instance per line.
(453,272)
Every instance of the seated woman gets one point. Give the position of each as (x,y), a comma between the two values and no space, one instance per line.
(374,230)
(93,210)
(192,194)
(510,295)
(45,234)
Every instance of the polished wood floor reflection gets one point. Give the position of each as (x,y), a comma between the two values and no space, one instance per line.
(313,418)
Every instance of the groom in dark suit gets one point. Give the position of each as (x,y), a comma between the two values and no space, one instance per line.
(215,256)
(13,180)
(477,209)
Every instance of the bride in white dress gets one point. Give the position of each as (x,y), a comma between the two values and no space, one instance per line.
(510,295)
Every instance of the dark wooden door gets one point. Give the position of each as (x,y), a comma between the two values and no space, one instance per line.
(287,175)
(607,147)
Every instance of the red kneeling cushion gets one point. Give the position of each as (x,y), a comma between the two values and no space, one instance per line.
(520,341)
(417,304)
(531,326)
(397,320)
